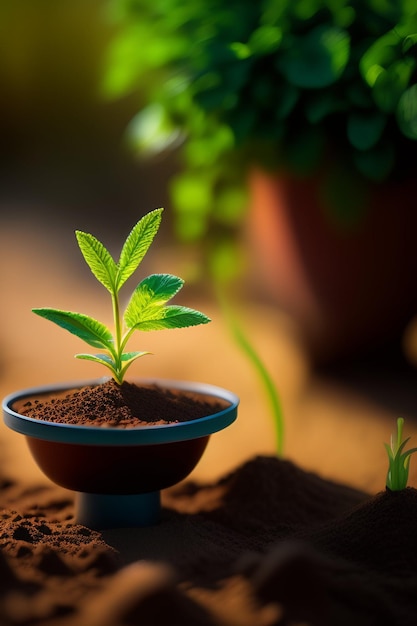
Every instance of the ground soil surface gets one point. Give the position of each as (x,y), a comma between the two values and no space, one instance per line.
(267,544)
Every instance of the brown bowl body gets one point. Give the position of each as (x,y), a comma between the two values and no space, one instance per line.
(117,469)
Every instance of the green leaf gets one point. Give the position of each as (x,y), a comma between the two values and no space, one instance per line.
(381,54)
(151,132)
(398,461)
(104,359)
(192,195)
(241,50)
(172,317)
(265,39)
(98,259)
(86,328)
(137,245)
(407,112)
(161,287)
(317,59)
(128,357)
(391,84)
(409,42)
(151,295)
(364,131)
(389,451)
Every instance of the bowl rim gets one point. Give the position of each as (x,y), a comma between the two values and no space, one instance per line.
(140,435)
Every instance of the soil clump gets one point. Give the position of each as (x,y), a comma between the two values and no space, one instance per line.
(121,406)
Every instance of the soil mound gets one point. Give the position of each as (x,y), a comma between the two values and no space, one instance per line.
(268,544)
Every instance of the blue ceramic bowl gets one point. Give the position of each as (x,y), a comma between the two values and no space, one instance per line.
(118,473)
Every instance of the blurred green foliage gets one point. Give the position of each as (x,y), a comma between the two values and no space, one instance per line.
(282,84)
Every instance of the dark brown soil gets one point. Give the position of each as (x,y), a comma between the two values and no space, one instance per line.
(267,545)
(122,406)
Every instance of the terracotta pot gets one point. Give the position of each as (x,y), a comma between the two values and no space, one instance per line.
(350,290)
(118,473)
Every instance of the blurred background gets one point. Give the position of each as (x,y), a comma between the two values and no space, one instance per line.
(103,118)
(64,157)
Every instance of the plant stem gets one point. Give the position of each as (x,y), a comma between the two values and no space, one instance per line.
(118,338)
(268,384)
(125,339)
(258,365)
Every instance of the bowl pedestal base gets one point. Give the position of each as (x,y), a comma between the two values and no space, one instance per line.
(101,511)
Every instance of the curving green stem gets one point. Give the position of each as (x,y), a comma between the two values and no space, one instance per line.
(259,367)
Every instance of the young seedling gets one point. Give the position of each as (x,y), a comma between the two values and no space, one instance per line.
(146,310)
(398,459)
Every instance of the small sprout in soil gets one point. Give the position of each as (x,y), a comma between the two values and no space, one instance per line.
(146,310)
(398,459)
